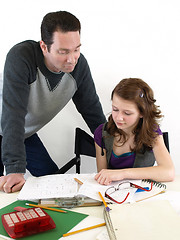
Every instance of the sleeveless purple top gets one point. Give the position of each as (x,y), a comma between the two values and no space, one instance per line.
(126,160)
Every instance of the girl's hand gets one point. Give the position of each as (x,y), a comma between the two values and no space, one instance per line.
(106,176)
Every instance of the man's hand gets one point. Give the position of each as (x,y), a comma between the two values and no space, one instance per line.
(12,182)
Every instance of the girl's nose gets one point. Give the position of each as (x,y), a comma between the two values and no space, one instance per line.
(120,117)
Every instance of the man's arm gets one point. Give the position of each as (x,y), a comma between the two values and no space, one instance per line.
(14,109)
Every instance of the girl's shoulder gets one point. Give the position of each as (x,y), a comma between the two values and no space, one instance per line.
(98,135)
(158,130)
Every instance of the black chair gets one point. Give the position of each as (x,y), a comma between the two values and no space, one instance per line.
(84,145)
(166,140)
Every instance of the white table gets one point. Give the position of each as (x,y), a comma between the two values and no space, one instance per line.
(97,211)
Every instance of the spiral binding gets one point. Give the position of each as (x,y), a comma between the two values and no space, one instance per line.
(155,183)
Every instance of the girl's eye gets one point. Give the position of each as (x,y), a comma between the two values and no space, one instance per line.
(115,110)
(127,113)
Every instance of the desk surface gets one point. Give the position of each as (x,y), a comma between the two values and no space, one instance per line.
(6,199)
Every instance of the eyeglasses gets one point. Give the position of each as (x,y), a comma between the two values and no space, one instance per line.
(113,193)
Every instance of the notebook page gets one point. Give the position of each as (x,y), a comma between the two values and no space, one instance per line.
(91,187)
(157,188)
(50,186)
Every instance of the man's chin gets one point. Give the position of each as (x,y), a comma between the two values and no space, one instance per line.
(69,69)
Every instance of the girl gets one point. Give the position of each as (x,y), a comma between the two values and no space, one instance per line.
(128,145)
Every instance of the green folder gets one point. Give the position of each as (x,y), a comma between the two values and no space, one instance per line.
(64,222)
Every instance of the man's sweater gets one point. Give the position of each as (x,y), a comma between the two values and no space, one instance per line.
(33,95)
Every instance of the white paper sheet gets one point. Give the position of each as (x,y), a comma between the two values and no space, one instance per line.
(64,186)
(88,235)
(50,186)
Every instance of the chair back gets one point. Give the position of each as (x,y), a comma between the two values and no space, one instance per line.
(84,144)
(166,140)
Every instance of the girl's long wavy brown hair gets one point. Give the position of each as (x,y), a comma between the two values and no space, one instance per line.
(139,92)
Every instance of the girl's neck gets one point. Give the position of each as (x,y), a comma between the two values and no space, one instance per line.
(127,133)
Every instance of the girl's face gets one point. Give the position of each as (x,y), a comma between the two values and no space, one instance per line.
(125,113)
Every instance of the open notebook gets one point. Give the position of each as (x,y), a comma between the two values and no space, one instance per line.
(142,220)
(157,188)
(64,186)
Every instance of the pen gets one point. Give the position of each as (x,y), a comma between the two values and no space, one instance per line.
(105,204)
(84,229)
(41,206)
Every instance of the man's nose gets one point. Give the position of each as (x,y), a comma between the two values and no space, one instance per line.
(71,58)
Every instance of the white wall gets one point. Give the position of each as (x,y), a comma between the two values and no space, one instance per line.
(132,38)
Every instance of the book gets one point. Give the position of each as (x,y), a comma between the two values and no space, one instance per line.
(142,220)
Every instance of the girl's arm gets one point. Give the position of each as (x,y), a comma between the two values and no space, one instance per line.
(163,172)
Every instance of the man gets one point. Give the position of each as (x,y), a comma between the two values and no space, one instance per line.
(39,80)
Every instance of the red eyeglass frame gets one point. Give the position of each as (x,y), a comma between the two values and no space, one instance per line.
(131,185)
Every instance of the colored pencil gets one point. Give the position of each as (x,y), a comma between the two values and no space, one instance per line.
(105,204)
(4,237)
(78,181)
(84,229)
(48,208)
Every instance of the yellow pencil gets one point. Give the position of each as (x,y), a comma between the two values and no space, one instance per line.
(78,181)
(41,206)
(105,204)
(84,229)
(6,238)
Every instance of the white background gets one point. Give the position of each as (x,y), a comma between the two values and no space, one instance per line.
(120,39)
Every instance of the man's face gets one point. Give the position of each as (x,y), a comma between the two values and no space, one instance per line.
(64,52)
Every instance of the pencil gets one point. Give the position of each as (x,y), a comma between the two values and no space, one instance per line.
(105,204)
(41,206)
(84,229)
(4,237)
(78,181)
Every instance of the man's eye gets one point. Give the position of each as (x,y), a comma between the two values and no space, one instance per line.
(77,50)
(62,52)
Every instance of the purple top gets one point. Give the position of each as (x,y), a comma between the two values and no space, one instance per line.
(126,160)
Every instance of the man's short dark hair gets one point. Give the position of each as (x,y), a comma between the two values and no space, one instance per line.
(58,21)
